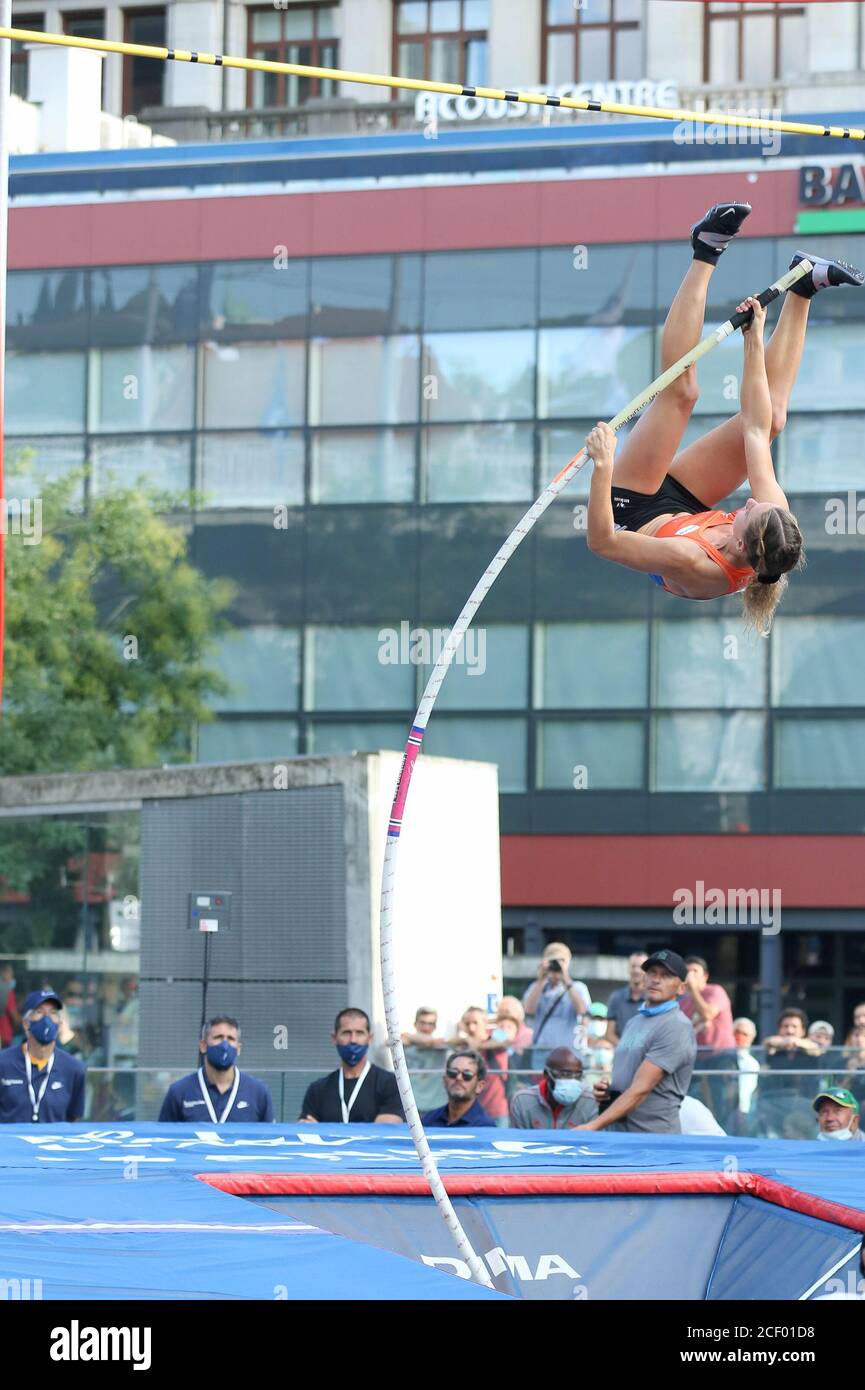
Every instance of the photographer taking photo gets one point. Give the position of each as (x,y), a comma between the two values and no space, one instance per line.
(557,1005)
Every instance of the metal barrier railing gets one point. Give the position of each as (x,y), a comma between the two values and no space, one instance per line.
(757,1103)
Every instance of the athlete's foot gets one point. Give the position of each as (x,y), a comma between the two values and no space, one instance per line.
(825,273)
(711,236)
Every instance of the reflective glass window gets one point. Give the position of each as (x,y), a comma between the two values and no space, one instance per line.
(591,665)
(363,466)
(262,665)
(358,668)
(142,388)
(708,663)
(590,754)
(818,661)
(44,392)
(251,469)
(477,463)
(479,376)
(363,381)
(709,752)
(591,371)
(258,385)
(488,740)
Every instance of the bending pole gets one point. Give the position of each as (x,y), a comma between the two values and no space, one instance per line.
(421,719)
(413,84)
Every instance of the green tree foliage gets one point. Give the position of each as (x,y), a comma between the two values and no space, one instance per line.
(108,630)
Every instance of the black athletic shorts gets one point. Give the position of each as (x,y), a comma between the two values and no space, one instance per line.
(631,510)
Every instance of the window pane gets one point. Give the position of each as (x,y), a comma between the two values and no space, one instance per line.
(244,740)
(560,11)
(445,60)
(708,752)
(354,736)
(501,741)
(44,392)
(708,663)
(489,671)
(363,466)
(821,452)
(594,12)
(716,371)
(561,59)
(444,16)
(793,60)
(479,376)
(591,665)
(46,309)
(627,9)
(327,26)
(299,24)
(476,14)
(410,61)
(477,59)
(363,381)
(594,52)
(142,388)
(628,61)
(606,286)
(262,665)
(266,85)
(818,661)
(357,668)
(477,463)
(412,17)
(487,289)
(145,304)
(159,461)
(600,754)
(265,25)
(558,444)
(758,48)
(820,753)
(29,462)
(254,384)
(830,377)
(251,470)
(254,299)
(354,295)
(592,371)
(723,50)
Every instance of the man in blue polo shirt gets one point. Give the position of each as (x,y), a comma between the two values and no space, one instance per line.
(39,1082)
(219,1092)
(465,1074)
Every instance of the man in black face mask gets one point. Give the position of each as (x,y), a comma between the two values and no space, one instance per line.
(39,1082)
(219,1091)
(358,1092)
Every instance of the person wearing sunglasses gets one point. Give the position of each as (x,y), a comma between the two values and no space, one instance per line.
(560,1101)
(465,1074)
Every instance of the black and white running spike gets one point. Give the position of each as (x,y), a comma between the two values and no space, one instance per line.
(711,236)
(825,273)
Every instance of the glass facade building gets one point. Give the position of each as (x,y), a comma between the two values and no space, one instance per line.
(361,433)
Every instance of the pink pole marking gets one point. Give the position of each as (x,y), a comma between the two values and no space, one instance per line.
(412,749)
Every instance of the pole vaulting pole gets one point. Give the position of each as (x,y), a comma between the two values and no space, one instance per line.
(418,729)
(5,82)
(412,84)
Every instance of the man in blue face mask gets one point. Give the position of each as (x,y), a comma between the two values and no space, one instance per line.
(39,1082)
(561,1101)
(358,1092)
(219,1092)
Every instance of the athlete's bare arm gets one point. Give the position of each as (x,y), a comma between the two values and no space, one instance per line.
(756,410)
(674,559)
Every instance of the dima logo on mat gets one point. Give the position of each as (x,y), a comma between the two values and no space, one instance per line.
(77,1343)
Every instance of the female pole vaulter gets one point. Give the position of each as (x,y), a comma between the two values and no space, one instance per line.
(664,529)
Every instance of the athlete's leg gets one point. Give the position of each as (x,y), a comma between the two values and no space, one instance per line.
(714,466)
(643,459)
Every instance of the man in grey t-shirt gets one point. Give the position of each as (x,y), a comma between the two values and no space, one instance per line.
(654,1059)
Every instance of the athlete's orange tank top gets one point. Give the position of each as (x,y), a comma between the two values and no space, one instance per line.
(694,529)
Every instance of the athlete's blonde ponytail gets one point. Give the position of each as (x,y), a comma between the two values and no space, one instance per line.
(774,546)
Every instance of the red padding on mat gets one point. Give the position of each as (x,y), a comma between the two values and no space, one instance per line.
(526,1185)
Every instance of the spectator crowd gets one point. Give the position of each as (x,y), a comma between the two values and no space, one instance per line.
(663,1054)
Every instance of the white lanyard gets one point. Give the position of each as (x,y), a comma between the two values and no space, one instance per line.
(35,1100)
(209,1103)
(346,1109)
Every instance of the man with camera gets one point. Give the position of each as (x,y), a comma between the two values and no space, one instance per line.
(557,1004)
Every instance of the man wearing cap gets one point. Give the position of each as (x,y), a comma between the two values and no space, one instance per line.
(837,1115)
(39,1082)
(654,1059)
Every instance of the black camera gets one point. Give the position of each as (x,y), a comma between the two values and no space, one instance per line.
(554,965)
